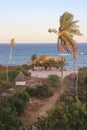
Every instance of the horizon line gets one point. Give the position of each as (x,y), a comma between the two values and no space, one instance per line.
(39,43)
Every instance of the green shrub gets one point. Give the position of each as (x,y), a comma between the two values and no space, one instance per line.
(26,73)
(82,84)
(85,80)
(31,91)
(8,119)
(3,76)
(55,78)
(64,117)
(69,98)
(12,74)
(18,101)
(10,107)
(82,81)
(5,85)
(43,90)
(25,66)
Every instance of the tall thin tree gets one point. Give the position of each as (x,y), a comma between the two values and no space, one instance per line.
(65,34)
(33,59)
(12,44)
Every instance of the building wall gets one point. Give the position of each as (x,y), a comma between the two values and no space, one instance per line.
(20,83)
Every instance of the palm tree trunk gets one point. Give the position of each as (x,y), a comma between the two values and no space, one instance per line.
(7,72)
(61,84)
(74,67)
(11,55)
(76,80)
(77,87)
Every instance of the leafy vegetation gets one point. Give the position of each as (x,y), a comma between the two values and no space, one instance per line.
(82,79)
(64,117)
(5,85)
(82,85)
(12,74)
(54,78)
(8,119)
(10,107)
(40,91)
(18,101)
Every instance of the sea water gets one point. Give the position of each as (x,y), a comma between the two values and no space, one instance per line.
(21,53)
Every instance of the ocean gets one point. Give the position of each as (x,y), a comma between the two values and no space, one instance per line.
(21,54)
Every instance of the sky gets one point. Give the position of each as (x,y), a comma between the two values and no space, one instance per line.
(28,21)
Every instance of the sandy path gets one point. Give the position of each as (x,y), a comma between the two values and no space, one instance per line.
(37,108)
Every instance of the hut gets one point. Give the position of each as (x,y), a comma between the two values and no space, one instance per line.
(20,79)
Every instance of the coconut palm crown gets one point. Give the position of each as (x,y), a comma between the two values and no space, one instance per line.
(12,44)
(67,30)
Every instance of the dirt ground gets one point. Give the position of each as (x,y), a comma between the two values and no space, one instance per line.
(38,107)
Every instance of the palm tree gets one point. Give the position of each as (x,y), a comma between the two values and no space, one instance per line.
(33,59)
(12,44)
(65,34)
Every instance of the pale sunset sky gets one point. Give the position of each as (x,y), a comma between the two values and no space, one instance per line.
(28,21)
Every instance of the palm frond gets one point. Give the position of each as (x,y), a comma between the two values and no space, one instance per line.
(74,31)
(66,45)
(64,18)
(12,43)
(52,30)
(70,24)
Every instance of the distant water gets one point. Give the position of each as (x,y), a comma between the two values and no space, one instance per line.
(22,53)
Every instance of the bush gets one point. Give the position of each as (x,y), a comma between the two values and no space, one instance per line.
(8,120)
(54,78)
(82,80)
(12,74)
(26,73)
(18,101)
(63,117)
(85,80)
(5,85)
(31,91)
(82,84)
(10,107)
(25,66)
(43,90)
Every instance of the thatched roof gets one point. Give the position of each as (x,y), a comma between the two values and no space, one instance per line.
(20,77)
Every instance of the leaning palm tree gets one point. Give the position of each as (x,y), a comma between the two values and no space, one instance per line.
(12,44)
(65,34)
